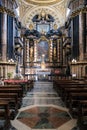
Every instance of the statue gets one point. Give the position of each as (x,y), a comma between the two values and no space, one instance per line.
(55,26)
(31,27)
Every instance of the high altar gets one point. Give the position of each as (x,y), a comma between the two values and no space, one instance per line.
(42,47)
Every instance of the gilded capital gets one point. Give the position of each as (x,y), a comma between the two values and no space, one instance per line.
(8,11)
(2,9)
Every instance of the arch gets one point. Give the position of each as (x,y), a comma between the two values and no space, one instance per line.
(44,2)
(36,10)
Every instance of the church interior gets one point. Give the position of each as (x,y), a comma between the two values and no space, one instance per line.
(43,64)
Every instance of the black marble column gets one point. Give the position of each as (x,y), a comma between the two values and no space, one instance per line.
(10,46)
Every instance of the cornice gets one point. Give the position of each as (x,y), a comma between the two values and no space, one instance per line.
(8,11)
(76,12)
(42,3)
(2,10)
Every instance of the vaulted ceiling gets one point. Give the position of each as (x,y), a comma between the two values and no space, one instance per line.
(29,8)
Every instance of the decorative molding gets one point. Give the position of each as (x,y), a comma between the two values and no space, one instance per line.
(42,3)
(57,10)
(24,8)
(43,38)
(5,10)
(31,13)
(2,10)
(76,12)
(62,9)
(9,12)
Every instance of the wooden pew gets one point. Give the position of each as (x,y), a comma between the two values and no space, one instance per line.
(5,113)
(82,115)
(26,85)
(60,86)
(66,88)
(69,90)
(12,98)
(74,99)
(82,109)
(8,89)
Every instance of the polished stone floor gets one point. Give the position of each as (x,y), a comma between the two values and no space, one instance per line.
(42,108)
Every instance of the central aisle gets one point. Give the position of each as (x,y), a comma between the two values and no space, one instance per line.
(42,94)
(42,108)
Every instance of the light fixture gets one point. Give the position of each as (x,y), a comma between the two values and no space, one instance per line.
(11,61)
(74,61)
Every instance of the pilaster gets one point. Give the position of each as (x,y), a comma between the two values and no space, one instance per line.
(4,36)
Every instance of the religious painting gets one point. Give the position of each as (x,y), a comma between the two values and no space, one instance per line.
(43,49)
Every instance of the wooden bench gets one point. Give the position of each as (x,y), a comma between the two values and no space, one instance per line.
(12,98)
(5,113)
(69,90)
(66,88)
(60,86)
(26,85)
(82,109)
(12,90)
(82,115)
(75,98)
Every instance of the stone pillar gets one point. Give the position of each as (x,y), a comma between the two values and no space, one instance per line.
(4,37)
(81,36)
(51,50)
(35,50)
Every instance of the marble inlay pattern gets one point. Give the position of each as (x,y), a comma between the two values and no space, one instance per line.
(43,117)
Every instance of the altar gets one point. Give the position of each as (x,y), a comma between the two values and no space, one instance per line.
(43,74)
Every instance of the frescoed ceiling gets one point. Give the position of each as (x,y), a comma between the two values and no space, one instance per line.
(29,8)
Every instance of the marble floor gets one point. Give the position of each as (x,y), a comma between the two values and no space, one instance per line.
(42,108)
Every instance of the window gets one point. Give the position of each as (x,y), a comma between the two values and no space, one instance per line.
(43,27)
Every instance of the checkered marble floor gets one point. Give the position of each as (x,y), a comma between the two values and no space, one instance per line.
(42,98)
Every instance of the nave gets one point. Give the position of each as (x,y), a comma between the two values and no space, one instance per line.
(42,108)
